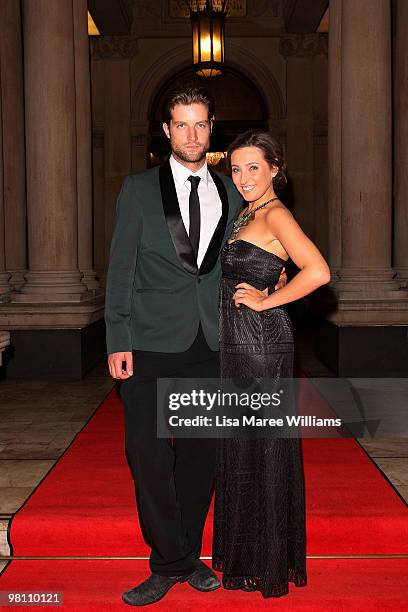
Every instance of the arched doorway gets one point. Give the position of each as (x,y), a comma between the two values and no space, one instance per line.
(239,106)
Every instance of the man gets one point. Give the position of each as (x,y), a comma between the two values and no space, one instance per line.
(162,321)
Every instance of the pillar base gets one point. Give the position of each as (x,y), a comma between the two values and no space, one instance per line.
(349,309)
(5,297)
(4,342)
(17,280)
(360,283)
(89,280)
(5,288)
(334,275)
(50,315)
(55,298)
(57,354)
(402,276)
(364,351)
(52,286)
(58,341)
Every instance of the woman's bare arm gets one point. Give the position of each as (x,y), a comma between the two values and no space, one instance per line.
(313,273)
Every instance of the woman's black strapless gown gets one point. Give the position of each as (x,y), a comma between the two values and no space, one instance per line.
(259,515)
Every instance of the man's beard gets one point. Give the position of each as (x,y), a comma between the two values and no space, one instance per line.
(190,156)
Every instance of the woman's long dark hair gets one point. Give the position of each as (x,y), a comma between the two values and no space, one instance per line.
(271,149)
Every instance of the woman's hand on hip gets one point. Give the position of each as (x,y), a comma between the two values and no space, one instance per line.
(249,296)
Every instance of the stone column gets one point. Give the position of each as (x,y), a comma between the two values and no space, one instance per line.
(140,140)
(117,141)
(299,135)
(12,94)
(51,154)
(299,51)
(401,144)
(320,169)
(366,151)
(98,161)
(334,138)
(112,133)
(98,164)
(366,330)
(4,276)
(84,147)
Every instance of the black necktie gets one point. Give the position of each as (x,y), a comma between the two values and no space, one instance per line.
(194,210)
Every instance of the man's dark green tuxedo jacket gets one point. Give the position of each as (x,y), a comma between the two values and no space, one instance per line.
(155,295)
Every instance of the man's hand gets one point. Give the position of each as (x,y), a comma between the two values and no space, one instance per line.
(283,279)
(115,363)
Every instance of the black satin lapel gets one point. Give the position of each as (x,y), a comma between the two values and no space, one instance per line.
(217,240)
(174,220)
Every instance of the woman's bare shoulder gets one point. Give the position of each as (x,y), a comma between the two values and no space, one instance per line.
(278,213)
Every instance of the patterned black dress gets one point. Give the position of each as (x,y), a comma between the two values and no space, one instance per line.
(259,515)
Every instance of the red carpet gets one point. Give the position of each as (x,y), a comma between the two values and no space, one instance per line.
(85,507)
(360,585)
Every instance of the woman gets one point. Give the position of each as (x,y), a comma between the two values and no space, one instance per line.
(259,522)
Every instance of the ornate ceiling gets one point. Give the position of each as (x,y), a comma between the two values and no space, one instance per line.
(155,18)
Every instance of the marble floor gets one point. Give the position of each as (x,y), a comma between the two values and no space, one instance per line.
(39,419)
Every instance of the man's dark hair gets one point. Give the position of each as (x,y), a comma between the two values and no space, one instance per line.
(187,94)
(270,147)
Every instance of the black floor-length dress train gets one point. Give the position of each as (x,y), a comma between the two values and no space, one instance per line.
(259,516)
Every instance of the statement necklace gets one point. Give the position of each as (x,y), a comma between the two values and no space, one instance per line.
(246,218)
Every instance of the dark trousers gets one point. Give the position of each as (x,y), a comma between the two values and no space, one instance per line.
(173,478)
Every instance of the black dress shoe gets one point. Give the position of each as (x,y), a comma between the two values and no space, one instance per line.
(203,578)
(151,590)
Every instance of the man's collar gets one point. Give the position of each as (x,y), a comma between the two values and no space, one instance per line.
(181,173)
